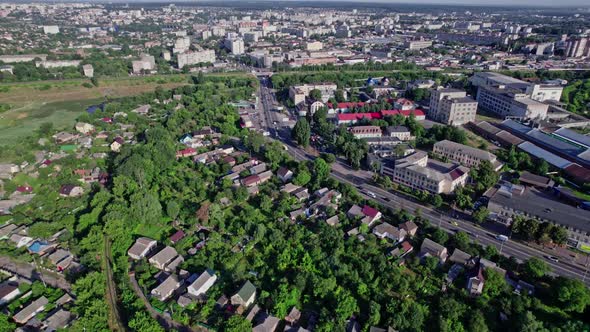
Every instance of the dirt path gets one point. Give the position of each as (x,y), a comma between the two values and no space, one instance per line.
(115,322)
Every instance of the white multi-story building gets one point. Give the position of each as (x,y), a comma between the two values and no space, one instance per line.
(50,29)
(297,93)
(465,155)
(510,103)
(192,58)
(182,44)
(538,92)
(235,46)
(314,46)
(418,44)
(418,172)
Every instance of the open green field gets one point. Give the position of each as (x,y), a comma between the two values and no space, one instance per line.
(60,102)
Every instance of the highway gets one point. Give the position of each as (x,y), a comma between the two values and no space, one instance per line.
(362,180)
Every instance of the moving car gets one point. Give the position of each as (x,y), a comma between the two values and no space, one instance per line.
(502,238)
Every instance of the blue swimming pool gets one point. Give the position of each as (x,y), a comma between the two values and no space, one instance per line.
(37,246)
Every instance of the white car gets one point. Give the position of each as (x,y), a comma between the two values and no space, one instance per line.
(371,194)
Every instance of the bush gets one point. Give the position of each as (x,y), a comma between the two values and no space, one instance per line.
(87,85)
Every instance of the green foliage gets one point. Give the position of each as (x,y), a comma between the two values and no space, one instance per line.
(572,295)
(237,323)
(481,214)
(535,268)
(301,132)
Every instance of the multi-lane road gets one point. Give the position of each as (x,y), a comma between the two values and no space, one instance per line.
(362,180)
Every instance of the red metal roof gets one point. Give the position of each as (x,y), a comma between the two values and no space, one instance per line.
(358,116)
(370,211)
(179,235)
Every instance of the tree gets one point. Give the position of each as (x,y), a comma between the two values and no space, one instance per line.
(535,268)
(460,240)
(572,294)
(346,304)
(172,209)
(495,284)
(315,94)
(254,141)
(481,214)
(527,322)
(301,132)
(237,323)
(437,200)
(321,169)
(6,324)
(329,157)
(303,177)
(477,322)
(143,322)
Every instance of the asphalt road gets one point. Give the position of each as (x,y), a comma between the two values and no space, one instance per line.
(361,180)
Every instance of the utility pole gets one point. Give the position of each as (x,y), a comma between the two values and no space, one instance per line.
(586,271)
(501,247)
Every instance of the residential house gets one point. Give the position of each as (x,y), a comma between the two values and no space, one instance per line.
(366,131)
(174,264)
(59,320)
(293,316)
(20,240)
(284,174)
(430,248)
(142,110)
(84,128)
(163,257)
(70,190)
(460,257)
(8,292)
(63,137)
(269,324)
(30,311)
(258,169)
(245,296)
(141,248)
(166,289)
(368,214)
(410,228)
(402,250)
(475,281)
(203,283)
(179,235)
(117,144)
(188,152)
(386,230)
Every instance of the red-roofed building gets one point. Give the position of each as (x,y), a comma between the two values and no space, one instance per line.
(189,152)
(404,104)
(107,120)
(352,118)
(418,114)
(179,235)
(24,189)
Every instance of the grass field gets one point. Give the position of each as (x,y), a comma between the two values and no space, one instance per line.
(60,102)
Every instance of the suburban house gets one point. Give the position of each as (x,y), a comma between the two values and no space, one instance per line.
(475,280)
(410,228)
(166,289)
(368,214)
(269,324)
(8,292)
(400,132)
(141,248)
(163,257)
(142,110)
(460,257)
(28,312)
(84,128)
(174,264)
(59,320)
(117,144)
(284,174)
(403,249)
(188,152)
(203,283)
(430,248)
(179,235)
(386,230)
(70,190)
(245,296)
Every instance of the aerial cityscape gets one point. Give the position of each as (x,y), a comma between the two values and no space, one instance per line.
(295,166)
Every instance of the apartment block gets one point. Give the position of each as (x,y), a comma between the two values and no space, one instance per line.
(193,58)
(457,111)
(538,92)
(418,172)
(297,93)
(465,155)
(452,106)
(234,45)
(417,44)
(314,46)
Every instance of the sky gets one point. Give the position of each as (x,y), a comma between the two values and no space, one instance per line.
(553,3)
